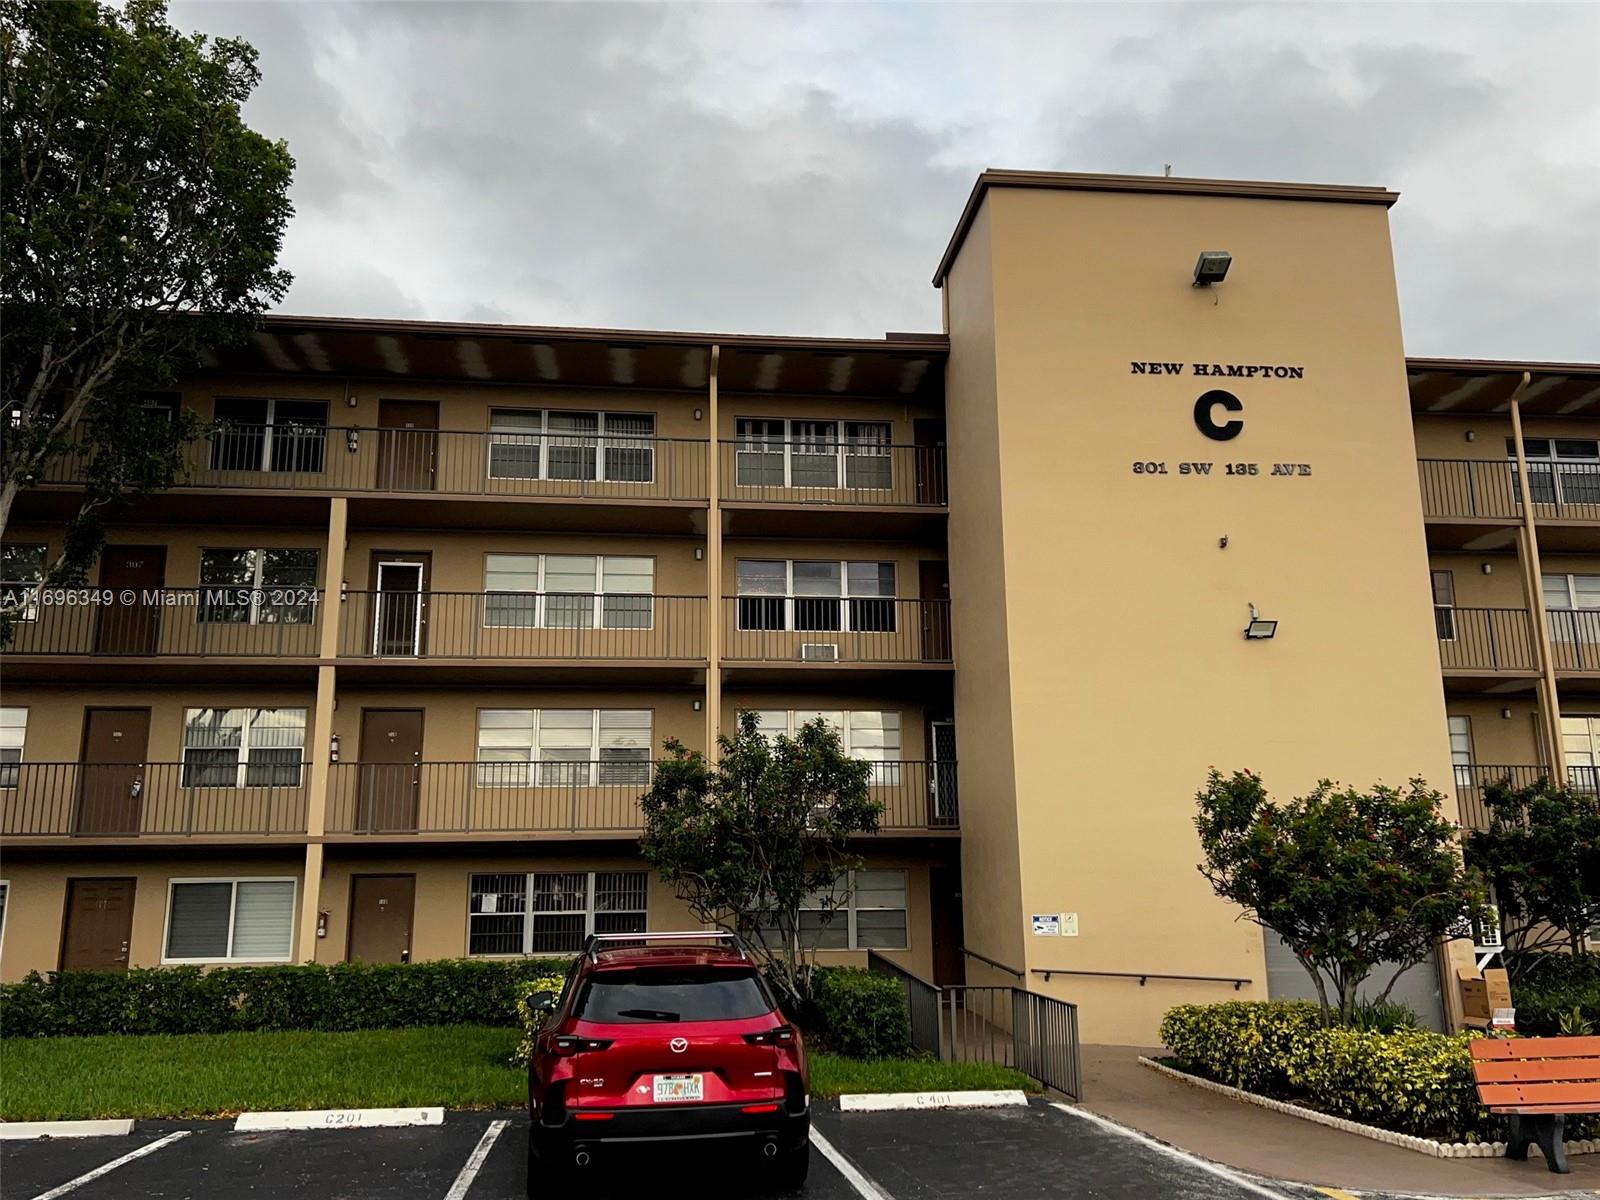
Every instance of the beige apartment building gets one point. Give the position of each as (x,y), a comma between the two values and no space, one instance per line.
(383,677)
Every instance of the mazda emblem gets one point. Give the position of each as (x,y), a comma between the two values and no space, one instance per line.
(679,1045)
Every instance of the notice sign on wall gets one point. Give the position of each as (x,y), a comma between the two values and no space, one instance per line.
(1046,924)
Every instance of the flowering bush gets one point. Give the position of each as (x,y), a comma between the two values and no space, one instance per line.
(530,1019)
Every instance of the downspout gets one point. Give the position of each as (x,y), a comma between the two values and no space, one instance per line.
(1533,588)
(713,691)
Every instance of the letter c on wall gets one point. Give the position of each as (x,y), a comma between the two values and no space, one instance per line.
(1206,423)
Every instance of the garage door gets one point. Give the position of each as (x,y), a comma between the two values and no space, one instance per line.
(1417,989)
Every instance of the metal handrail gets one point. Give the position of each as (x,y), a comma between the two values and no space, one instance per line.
(984,958)
(1141,976)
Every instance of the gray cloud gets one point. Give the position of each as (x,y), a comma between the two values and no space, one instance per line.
(797,169)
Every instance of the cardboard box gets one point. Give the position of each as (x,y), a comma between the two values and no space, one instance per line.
(1482,994)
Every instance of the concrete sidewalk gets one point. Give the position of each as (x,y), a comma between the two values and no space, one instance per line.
(1282,1147)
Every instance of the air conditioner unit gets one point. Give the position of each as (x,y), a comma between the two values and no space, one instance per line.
(819,651)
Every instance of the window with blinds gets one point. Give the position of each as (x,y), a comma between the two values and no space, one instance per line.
(873,735)
(13,736)
(230,920)
(556,747)
(531,443)
(569,591)
(552,912)
(243,747)
(1573,605)
(816,596)
(866,911)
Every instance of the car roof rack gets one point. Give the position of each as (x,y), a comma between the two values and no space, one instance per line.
(597,942)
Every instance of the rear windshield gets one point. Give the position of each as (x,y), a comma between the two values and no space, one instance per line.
(672,994)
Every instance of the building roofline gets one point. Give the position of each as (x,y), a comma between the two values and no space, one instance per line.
(1494,366)
(1328,193)
(289,324)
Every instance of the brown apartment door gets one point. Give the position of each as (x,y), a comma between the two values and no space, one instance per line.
(391,769)
(380,918)
(408,445)
(944,895)
(130,628)
(111,777)
(932,485)
(99,922)
(933,585)
(399,604)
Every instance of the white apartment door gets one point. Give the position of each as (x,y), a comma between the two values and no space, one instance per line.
(397,610)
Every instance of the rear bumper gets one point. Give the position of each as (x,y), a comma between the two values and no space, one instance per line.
(678,1123)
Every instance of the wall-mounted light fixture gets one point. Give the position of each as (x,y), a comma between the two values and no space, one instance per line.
(1260,628)
(1472,435)
(698,414)
(1505,714)
(1211,267)
(1488,568)
(699,553)
(698,705)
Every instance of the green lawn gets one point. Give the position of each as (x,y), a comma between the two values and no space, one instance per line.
(459,1067)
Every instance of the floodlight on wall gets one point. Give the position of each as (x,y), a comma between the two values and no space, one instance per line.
(1211,267)
(1260,629)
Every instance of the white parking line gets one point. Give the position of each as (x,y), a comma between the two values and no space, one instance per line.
(474,1163)
(864,1187)
(73,1185)
(1182,1156)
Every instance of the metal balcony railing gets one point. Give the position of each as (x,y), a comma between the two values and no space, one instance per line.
(1472,780)
(200,622)
(1575,638)
(521,625)
(830,629)
(828,472)
(1485,639)
(74,799)
(1489,488)
(442,461)
(572,796)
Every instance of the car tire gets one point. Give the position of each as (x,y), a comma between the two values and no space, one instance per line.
(548,1178)
(792,1167)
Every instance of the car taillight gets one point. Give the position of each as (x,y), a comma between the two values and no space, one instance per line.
(783,1035)
(567,1043)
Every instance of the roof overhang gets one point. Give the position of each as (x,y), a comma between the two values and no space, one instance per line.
(1164,185)
(1467,386)
(909,365)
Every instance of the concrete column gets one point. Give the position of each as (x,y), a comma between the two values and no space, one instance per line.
(321,739)
(713,697)
(1533,588)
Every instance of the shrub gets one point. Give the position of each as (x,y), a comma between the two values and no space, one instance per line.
(1384,1016)
(530,1019)
(1411,1081)
(862,1014)
(338,996)
(1552,986)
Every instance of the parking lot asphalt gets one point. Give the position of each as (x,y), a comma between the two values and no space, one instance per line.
(1023,1153)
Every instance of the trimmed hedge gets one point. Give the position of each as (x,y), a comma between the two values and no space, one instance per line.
(338,996)
(863,1014)
(1412,1081)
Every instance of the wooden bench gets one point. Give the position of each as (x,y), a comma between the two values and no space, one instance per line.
(1535,1082)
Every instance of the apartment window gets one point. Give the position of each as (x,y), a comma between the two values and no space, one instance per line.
(13,733)
(1444,605)
(532,443)
(813,454)
(269,435)
(569,591)
(258,587)
(1572,602)
(871,916)
(1560,470)
(1580,743)
(21,571)
(554,747)
(243,747)
(552,912)
(1461,748)
(871,735)
(816,596)
(229,920)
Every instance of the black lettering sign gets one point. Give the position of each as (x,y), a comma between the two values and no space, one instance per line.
(1206,422)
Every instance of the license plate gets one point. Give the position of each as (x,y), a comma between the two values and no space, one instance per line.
(670,1088)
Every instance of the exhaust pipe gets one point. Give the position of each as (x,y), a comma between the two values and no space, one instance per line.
(770,1149)
(581,1158)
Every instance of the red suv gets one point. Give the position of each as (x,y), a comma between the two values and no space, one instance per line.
(665,1037)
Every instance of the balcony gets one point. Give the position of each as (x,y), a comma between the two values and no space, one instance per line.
(773,634)
(77,633)
(1471,782)
(552,634)
(1464,498)
(286,472)
(1486,643)
(845,489)
(522,800)
(149,801)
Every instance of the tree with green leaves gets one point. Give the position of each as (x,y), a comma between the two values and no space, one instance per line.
(1349,879)
(1541,853)
(141,226)
(750,841)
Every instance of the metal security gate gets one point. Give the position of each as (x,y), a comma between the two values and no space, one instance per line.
(1037,1035)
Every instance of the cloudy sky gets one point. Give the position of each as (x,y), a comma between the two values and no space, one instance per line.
(798,168)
